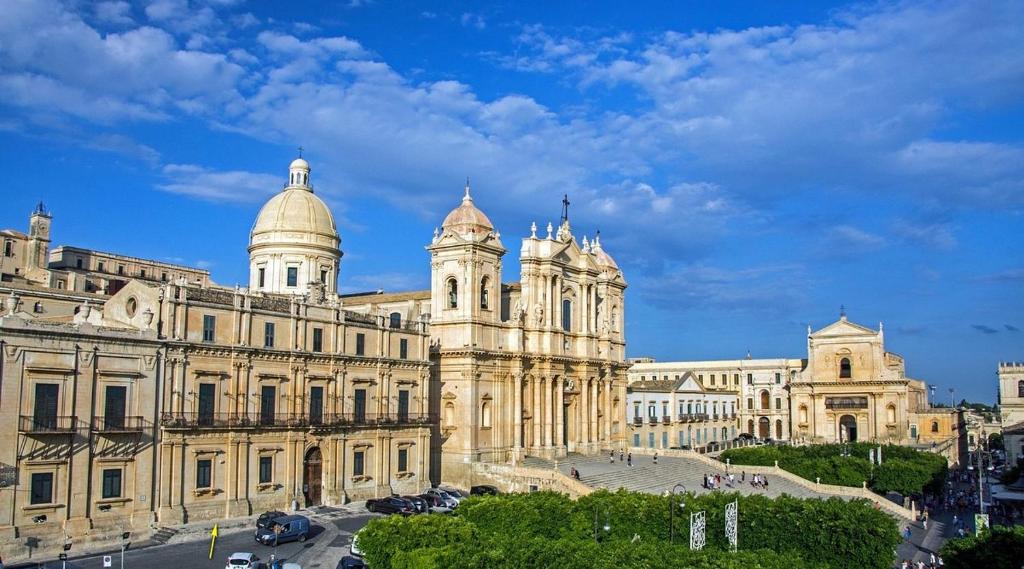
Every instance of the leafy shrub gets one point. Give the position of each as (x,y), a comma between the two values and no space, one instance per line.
(904,470)
(545,529)
(996,548)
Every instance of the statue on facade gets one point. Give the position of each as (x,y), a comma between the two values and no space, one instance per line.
(538,314)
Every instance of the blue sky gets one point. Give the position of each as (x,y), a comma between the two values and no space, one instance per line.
(750,165)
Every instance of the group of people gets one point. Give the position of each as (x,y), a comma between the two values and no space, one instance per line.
(574,473)
(714,481)
(759,481)
(933,563)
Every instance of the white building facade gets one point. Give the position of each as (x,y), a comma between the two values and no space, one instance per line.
(680,413)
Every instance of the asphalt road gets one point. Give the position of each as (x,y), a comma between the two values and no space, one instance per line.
(194,555)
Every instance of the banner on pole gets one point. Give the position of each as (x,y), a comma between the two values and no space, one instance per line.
(697,536)
(732,524)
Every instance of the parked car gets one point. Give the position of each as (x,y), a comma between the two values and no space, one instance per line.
(283,530)
(449,500)
(418,503)
(435,504)
(267,517)
(483,490)
(459,495)
(743,437)
(350,562)
(242,561)
(391,505)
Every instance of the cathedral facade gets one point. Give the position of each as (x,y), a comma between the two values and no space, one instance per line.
(140,393)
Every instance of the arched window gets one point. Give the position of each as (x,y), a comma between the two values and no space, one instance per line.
(566,314)
(485,297)
(485,414)
(449,414)
(395,320)
(765,403)
(845,370)
(453,293)
(935,426)
(890,414)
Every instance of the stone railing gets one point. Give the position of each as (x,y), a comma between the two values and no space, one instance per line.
(513,478)
(825,489)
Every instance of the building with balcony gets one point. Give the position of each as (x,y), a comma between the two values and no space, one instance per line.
(677,413)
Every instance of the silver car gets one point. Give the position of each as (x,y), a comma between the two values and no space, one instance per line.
(447,499)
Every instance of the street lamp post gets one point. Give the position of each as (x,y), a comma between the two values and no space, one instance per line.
(981,472)
(607,526)
(672,512)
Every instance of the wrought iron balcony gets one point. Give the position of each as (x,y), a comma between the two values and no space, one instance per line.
(292,420)
(48,424)
(638,421)
(667,419)
(653,419)
(119,424)
(846,403)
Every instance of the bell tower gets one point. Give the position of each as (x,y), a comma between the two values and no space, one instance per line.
(38,238)
(465,277)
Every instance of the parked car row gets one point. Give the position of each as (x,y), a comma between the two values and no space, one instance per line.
(433,501)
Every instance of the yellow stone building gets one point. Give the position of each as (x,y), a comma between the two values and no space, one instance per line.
(853,390)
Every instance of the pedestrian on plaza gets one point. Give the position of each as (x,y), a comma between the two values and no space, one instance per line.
(905,564)
(939,562)
(655,457)
(611,458)
(920,565)
(743,476)
(764,480)
(906,532)
(629,459)
(931,559)
(621,456)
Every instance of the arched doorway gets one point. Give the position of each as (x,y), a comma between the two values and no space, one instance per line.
(312,478)
(847,429)
(750,427)
(778,428)
(764,428)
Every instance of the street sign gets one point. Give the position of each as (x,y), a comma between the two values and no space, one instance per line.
(62,557)
(107,561)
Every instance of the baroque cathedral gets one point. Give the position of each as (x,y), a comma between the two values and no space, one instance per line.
(140,390)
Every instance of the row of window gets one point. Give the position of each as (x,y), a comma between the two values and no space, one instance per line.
(101,267)
(689,437)
(291,276)
(714,377)
(41,486)
(685,408)
(204,469)
(765,402)
(452,289)
(269,333)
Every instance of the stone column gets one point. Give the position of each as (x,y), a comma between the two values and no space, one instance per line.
(536,412)
(559,412)
(609,394)
(593,411)
(546,398)
(517,413)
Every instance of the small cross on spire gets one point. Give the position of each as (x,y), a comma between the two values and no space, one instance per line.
(842,310)
(565,208)
(300,152)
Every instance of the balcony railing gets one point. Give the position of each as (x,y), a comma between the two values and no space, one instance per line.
(667,419)
(653,419)
(638,421)
(291,420)
(119,424)
(39,424)
(846,403)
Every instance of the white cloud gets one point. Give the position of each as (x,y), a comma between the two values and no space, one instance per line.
(117,12)
(473,20)
(217,186)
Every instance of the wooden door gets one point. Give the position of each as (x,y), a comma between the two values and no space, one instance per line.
(312,476)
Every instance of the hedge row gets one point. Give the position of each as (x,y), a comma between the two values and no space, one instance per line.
(997,548)
(546,529)
(903,470)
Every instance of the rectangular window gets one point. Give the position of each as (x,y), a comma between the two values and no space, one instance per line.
(111,482)
(316,405)
(293,276)
(403,405)
(45,412)
(207,403)
(357,462)
(403,349)
(120,269)
(163,277)
(204,473)
(99,266)
(359,404)
(636,439)
(42,488)
(403,460)
(664,439)
(266,469)
(262,278)
(268,404)
(142,273)
(323,276)
(8,248)
(636,410)
(209,326)
(268,334)
(750,403)
(778,378)
(115,401)
(736,379)
(700,378)
(778,403)
(650,440)
(78,263)
(652,412)
(750,379)
(712,379)
(318,339)
(360,344)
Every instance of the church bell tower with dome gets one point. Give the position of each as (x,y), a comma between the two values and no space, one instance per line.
(294,243)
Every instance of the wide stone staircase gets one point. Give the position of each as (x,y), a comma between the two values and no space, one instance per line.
(645,476)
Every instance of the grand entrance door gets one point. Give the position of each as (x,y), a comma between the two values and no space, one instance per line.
(312,478)
(764,428)
(847,429)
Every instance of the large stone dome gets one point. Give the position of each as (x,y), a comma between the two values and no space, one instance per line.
(294,242)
